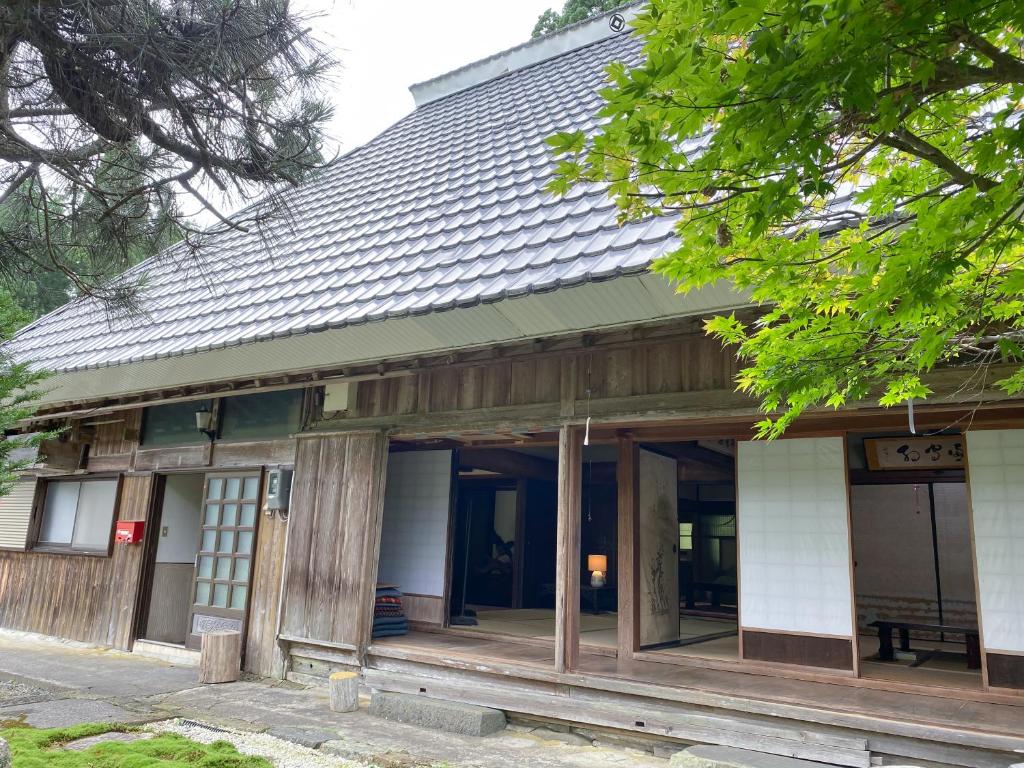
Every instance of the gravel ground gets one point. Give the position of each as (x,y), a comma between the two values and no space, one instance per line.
(13,693)
(283,754)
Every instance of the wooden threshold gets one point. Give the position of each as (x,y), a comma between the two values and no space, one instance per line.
(498,657)
(797,672)
(536,642)
(761,668)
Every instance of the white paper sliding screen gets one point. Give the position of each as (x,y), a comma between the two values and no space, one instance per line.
(995,460)
(414,535)
(796,595)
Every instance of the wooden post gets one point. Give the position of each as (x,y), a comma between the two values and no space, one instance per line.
(344,688)
(220,657)
(567,570)
(628,540)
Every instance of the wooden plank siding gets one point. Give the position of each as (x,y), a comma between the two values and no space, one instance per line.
(333,541)
(686,364)
(117,437)
(87,598)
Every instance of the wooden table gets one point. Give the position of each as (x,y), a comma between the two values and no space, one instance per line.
(904,627)
(595,595)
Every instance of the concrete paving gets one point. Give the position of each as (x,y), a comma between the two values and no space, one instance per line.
(59,684)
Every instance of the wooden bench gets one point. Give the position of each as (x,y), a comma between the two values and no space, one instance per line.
(716,589)
(905,627)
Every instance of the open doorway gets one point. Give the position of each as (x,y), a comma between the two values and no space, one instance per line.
(687,554)
(177,544)
(200,556)
(469,542)
(504,544)
(913,565)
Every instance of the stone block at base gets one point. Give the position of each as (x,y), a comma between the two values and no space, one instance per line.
(708,756)
(448,716)
(5,755)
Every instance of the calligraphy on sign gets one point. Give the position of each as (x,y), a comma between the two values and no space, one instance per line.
(940,452)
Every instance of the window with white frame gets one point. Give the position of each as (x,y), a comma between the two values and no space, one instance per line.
(78,515)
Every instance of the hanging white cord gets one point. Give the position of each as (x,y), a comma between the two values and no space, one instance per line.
(586,430)
(910,416)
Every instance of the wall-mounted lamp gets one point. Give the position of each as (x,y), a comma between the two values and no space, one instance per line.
(598,566)
(204,422)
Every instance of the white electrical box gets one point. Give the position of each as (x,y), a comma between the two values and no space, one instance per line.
(338,396)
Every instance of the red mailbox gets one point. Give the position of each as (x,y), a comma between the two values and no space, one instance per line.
(129,531)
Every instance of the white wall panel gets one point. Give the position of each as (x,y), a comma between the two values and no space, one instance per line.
(182,508)
(995,459)
(794,536)
(414,536)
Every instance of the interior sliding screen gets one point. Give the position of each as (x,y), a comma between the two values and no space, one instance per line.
(796,596)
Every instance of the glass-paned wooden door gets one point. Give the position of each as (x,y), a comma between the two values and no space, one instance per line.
(227,541)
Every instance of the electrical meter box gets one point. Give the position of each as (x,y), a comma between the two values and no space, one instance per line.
(338,396)
(279,488)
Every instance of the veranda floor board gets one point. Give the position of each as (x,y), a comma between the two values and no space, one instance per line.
(1005,717)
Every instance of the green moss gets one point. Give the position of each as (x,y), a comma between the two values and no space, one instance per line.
(41,748)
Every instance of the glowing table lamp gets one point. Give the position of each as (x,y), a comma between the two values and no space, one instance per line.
(598,566)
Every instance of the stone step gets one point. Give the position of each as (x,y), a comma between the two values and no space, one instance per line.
(437,714)
(713,756)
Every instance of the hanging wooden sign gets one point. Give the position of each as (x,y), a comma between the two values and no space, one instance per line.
(939,452)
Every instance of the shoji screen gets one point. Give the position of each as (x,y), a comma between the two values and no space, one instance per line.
(796,594)
(995,460)
(414,535)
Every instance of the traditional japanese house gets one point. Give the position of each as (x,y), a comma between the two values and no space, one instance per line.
(481,396)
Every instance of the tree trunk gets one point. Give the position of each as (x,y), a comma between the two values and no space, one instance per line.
(220,657)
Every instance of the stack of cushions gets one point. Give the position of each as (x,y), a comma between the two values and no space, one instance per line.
(388,618)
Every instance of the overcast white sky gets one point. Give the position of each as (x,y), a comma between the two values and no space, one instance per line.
(385,46)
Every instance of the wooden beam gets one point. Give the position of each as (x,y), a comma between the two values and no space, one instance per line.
(642,334)
(506,462)
(567,569)
(628,538)
(692,452)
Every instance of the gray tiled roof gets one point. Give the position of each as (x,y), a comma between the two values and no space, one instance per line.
(444,209)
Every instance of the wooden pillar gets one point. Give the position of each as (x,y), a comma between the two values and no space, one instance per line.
(567,570)
(520,536)
(628,541)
